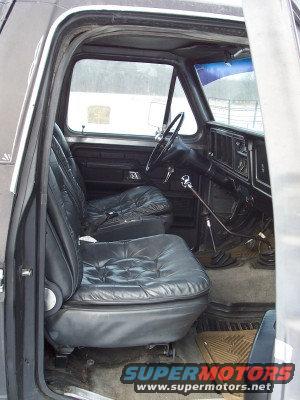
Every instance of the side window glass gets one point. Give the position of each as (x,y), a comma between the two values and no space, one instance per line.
(180,103)
(118,97)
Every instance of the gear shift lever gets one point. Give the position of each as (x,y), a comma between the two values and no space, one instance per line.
(187,184)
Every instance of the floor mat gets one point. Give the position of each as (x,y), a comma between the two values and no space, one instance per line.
(226,346)
(209,321)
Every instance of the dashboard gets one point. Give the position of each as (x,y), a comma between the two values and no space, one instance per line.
(242,155)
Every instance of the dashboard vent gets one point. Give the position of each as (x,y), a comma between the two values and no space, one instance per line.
(221,148)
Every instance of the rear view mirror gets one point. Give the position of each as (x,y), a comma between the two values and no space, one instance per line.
(156,114)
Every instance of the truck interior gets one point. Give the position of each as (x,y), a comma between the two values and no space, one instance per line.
(158,227)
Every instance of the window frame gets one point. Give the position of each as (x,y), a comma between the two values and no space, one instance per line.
(177,72)
(212,119)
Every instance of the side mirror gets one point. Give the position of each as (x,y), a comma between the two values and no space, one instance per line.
(156,114)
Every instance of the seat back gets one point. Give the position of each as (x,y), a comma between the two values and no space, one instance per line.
(60,138)
(63,263)
(73,181)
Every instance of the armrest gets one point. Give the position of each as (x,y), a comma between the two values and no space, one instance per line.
(132,229)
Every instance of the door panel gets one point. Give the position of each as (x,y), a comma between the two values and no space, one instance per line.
(106,171)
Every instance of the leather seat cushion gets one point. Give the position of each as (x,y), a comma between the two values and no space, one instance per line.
(131,204)
(111,326)
(155,269)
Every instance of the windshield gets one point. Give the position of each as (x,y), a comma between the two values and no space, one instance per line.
(231,90)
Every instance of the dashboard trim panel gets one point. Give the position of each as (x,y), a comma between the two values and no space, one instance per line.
(248,150)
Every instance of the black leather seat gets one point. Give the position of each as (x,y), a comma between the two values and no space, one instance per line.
(140,211)
(115,294)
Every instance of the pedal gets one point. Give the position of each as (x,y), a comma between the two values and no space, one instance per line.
(266,260)
(221,259)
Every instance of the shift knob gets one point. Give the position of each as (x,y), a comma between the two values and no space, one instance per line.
(186,182)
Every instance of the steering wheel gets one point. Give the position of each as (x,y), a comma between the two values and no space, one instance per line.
(165,143)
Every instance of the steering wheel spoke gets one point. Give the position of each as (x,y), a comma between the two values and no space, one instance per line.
(165,143)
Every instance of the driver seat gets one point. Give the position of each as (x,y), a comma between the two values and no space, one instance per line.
(140,211)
